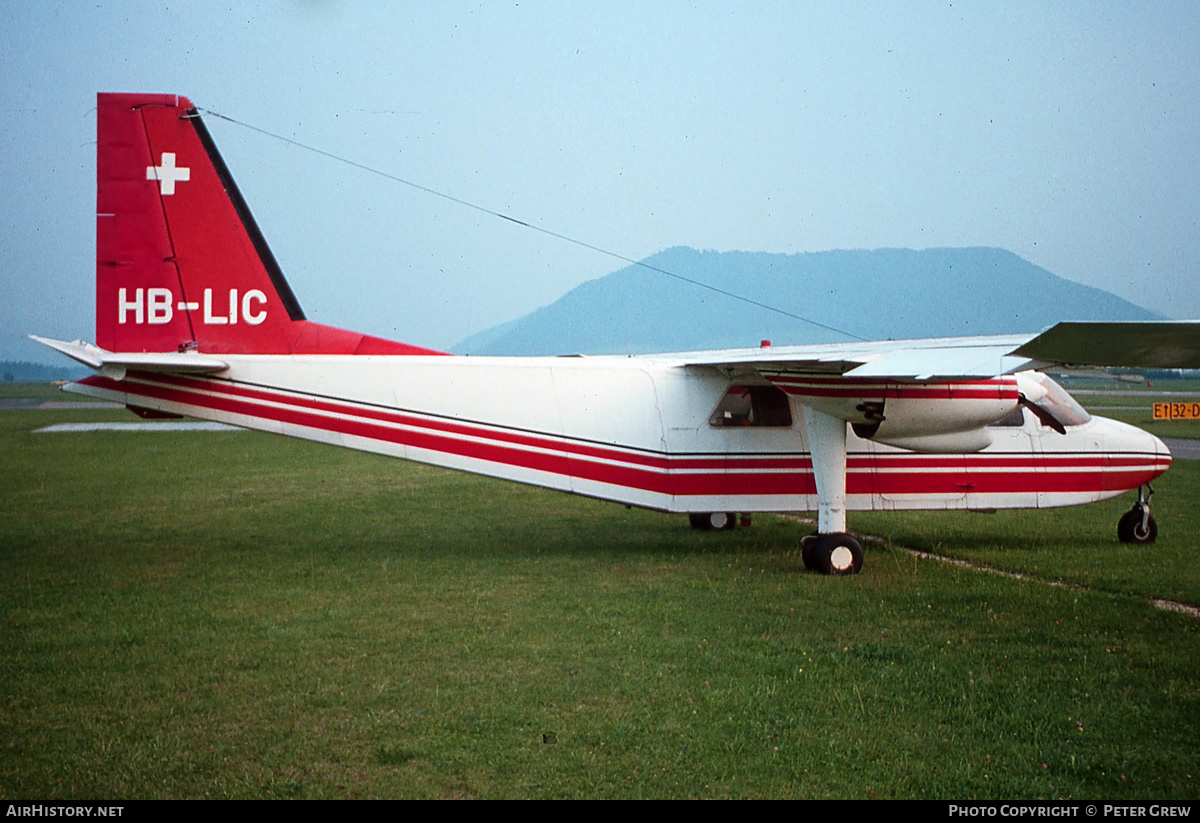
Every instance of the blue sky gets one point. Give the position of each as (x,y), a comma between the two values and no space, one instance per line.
(1066,133)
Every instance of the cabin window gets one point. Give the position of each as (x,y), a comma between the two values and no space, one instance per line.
(1014,419)
(752,406)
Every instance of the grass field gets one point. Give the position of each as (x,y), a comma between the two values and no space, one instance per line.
(236,615)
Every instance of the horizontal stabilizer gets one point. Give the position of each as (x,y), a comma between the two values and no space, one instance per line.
(114,364)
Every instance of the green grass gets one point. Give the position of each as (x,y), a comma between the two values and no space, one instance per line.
(44,391)
(1077,545)
(1155,385)
(47,391)
(1138,409)
(235,615)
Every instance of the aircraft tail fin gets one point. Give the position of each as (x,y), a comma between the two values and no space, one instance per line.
(180,262)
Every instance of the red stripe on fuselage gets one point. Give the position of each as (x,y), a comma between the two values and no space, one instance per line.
(638,458)
(886,474)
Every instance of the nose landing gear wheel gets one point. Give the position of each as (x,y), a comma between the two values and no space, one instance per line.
(1135,528)
(1137,525)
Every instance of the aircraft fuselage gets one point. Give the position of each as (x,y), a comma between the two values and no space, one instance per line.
(644,431)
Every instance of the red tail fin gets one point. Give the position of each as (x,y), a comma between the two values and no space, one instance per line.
(180,262)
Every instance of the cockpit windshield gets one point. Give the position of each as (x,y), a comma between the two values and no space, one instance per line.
(1062,406)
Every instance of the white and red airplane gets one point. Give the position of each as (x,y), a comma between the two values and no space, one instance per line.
(194,317)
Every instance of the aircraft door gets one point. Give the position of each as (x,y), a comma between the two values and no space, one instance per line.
(1009,473)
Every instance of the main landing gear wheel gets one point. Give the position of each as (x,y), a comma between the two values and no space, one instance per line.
(807,544)
(1137,525)
(713,521)
(836,553)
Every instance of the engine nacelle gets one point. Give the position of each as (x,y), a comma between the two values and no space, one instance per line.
(933,416)
(964,442)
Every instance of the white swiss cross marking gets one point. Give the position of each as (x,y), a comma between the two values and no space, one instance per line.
(167,174)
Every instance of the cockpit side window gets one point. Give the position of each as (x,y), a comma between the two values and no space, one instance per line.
(752,406)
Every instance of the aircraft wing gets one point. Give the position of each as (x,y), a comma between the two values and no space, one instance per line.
(1161,345)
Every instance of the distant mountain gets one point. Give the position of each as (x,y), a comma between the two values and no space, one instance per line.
(879,294)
